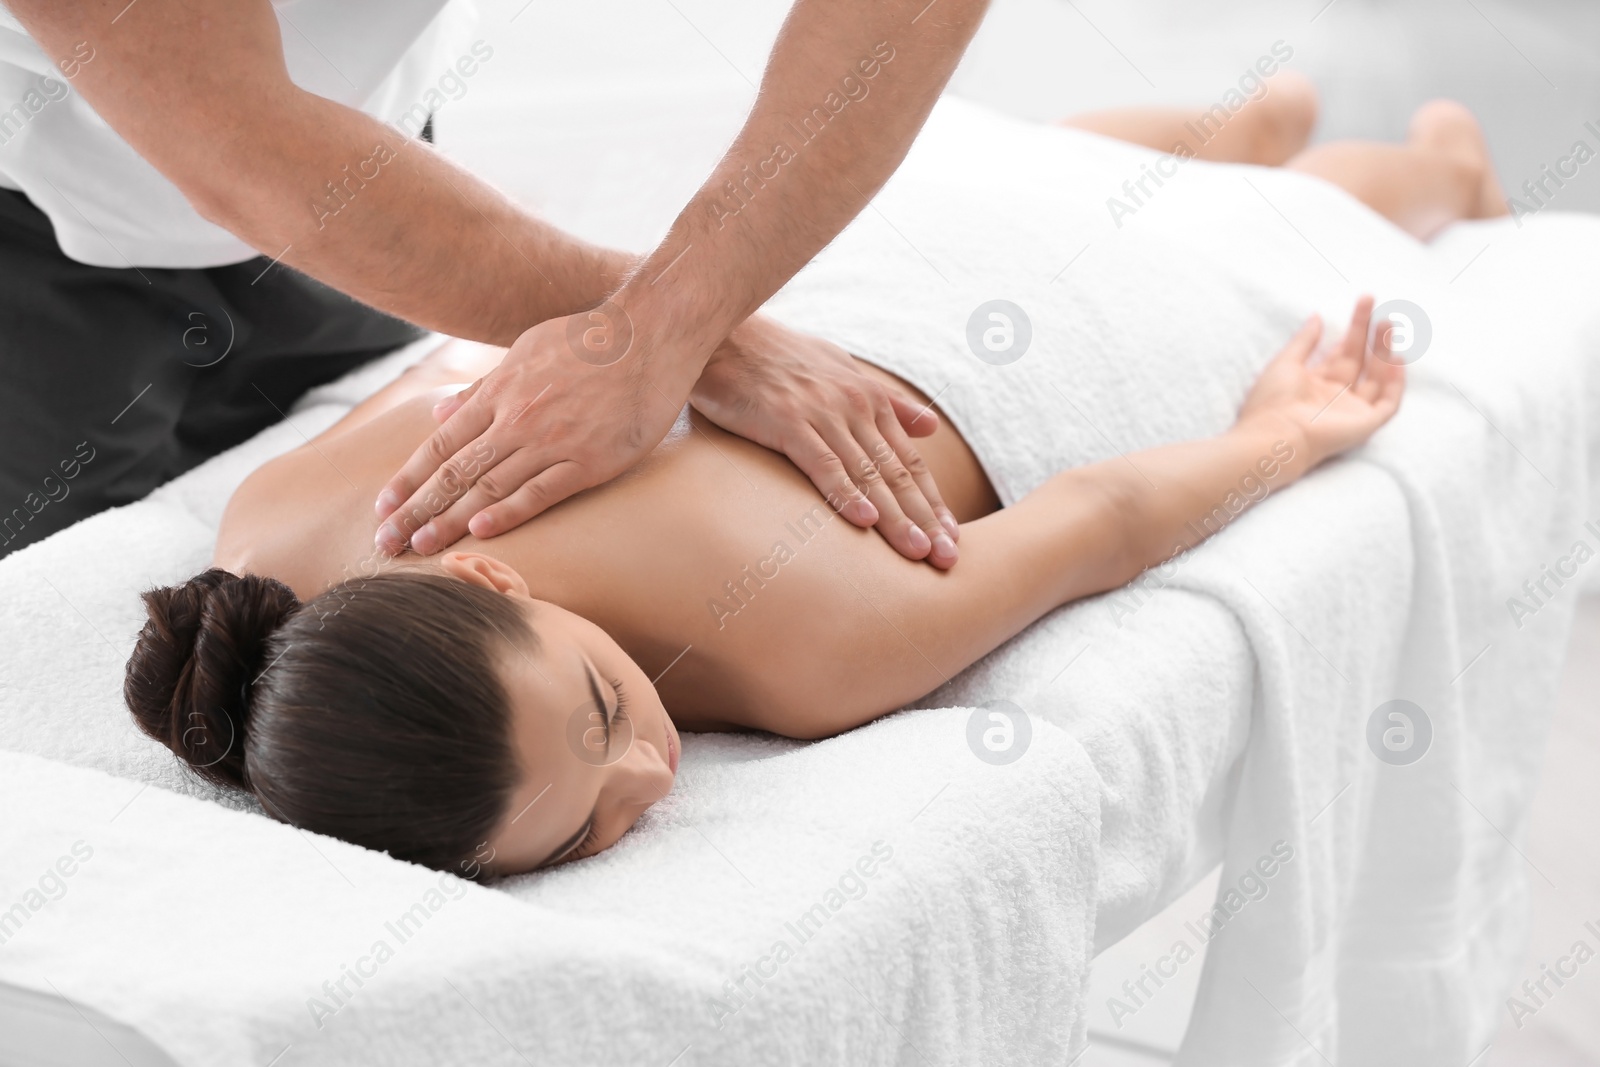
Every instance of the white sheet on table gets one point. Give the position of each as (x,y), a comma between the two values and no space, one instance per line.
(1385,576)
(1163,734)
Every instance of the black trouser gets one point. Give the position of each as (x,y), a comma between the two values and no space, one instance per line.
(113,381)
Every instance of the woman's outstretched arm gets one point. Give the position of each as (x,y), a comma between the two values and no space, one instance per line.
(1094,528)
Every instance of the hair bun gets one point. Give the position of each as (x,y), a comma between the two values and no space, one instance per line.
(203,647)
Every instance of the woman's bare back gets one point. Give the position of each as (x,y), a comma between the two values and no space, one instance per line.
(714,563)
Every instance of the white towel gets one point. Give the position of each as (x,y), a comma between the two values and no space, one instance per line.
(213,932)
(928,904)
(1386,564)
(1387,937)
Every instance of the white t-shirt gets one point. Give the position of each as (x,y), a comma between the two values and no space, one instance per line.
(110,208)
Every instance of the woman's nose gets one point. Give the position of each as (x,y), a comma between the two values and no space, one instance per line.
(648,778)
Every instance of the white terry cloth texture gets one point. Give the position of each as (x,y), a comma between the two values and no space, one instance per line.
(212,932)
(928,905)
(1386,936)
(1389,936)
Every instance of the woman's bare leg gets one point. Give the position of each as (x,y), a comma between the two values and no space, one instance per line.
(1268,130)
(1441,173)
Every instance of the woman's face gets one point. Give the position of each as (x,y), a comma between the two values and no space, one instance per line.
(595,745)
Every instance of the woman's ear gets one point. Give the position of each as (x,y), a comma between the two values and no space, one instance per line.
(483,570)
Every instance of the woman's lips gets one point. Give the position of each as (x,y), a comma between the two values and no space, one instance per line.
(672,751)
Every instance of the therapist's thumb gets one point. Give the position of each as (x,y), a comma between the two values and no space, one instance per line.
(918,420)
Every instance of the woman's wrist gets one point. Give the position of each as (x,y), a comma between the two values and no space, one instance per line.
(1280,434)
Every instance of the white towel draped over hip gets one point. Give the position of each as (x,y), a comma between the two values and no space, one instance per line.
(1386,576)
(1218,712)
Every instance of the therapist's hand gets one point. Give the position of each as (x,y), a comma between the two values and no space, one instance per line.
(847,431)
(574,403)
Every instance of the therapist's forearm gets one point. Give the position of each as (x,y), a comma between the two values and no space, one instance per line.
(389,220)
(845,92)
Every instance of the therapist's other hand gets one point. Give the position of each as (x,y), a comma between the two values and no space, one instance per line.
(543,425)
(847,431)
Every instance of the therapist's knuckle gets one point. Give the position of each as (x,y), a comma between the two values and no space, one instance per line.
(437,451)
(899,479)
(855,400)
(494,486)
(877,393)
(787,411)
(823,458)
(489,390)
(452,477)
(881,453)
(844,498)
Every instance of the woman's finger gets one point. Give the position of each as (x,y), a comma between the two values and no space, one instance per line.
(1347,361)
(1389,374)
(1303,345)
(1376,370)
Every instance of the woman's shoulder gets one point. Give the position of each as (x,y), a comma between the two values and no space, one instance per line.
(287,521)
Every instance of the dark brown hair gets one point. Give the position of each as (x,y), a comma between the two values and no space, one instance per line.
(374,712)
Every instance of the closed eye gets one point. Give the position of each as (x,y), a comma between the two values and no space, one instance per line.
(590,841)
(622,701)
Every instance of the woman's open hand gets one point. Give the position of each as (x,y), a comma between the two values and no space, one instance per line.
(847,431)
(1335,403)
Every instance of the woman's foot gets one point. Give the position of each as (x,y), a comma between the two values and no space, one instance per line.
(1449,129)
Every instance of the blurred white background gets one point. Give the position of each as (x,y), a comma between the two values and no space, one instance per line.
(607,70)
(1529,69)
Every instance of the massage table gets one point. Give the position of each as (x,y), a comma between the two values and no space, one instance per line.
(1216,713)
